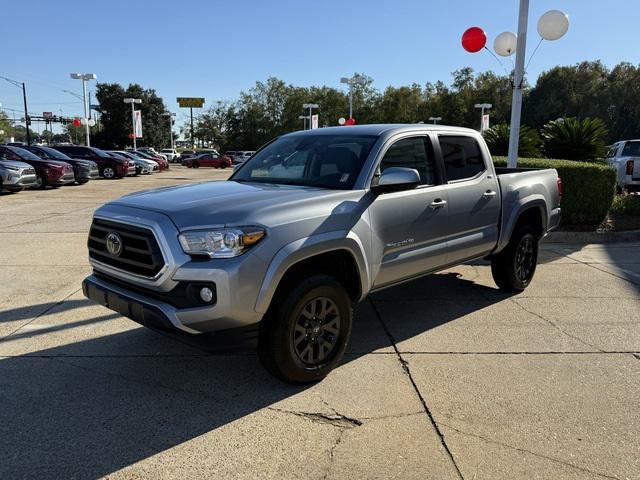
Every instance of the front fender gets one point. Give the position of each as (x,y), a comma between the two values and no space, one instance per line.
(308,247)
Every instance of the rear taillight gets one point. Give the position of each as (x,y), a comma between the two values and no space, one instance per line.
(560,190)
(629,170)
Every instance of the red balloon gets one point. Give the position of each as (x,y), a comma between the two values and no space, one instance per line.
(76,122)
(474,39)
(350,121)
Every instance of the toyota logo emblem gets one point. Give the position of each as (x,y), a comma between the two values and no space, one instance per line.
(114,244)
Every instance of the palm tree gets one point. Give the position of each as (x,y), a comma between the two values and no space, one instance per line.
(574,139)
(497,139)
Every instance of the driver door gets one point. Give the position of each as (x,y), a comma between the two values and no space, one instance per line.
(409,227)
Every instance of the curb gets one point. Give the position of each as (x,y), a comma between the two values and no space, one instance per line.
(592,237)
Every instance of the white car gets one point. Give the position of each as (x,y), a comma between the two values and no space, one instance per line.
(624,156)
(242,156)
(171,154)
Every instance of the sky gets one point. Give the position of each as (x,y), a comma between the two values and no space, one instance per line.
(215,49)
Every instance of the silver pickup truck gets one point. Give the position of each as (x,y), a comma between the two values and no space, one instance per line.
(311,224)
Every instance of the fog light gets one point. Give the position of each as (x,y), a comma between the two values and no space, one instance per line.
(206,294)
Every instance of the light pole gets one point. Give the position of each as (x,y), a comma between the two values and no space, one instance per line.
(170,116)
(85,77)
(435,120)
(482,107)
(355,80)
(310,106)
(27,120)
(133,101)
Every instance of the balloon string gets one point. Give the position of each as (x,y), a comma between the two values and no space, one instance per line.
(498,60)
(534,52)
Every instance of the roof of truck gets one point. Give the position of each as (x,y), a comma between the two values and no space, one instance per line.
(379,129)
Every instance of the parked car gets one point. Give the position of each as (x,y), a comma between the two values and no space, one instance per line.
(108,166)
(310,225)
(186,154)
(52,173)
(231,154)
(143,167)
(150,165)
(207,160)
(242,156)
(152,152)
(624,156)
(16,176)
(163,164)
(171,154)
(83,170)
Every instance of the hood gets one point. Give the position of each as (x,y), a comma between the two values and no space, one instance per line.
(232,203)
(14,164)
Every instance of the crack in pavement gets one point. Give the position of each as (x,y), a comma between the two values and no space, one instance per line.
(44,312)
(524,450)
(555,325)
(407,371)
(335,419)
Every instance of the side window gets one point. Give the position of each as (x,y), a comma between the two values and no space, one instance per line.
(611,151)
(8,155)
(462,157)
(413,152)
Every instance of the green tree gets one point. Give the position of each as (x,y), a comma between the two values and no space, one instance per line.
(497,139)
(5,127)
(574,139)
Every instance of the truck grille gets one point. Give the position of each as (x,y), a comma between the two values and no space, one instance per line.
(140,253)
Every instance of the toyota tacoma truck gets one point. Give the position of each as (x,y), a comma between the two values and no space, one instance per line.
(310,225)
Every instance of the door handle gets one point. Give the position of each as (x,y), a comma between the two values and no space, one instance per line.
(489,194)
(438,203)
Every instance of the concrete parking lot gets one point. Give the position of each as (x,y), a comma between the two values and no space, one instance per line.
(445,377)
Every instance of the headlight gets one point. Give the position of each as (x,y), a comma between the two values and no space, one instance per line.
(223,243)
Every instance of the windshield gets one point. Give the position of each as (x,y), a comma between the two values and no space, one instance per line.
(327,161)
(53,153)
(100,153)
(24,154)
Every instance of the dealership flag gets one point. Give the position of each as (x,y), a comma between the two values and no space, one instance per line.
(138,127)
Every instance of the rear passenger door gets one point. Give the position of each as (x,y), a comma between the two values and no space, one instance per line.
(474,200)
(409,227)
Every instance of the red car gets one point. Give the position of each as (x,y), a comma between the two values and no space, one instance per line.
(208,160)
(109,166)
(48,172)
(162,163)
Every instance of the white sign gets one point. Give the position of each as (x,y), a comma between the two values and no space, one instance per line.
(314,121)
(485,122)
(137,115)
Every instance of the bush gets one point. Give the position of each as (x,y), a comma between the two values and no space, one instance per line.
(497,139)
(626,205)
(589,188)
(574,139)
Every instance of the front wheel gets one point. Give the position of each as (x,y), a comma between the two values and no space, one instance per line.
(514,267)
(108,172)
(305,334)
(41,182)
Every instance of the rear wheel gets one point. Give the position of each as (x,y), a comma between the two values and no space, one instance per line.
(305,333)
(196,164)
(514,267)
(82,182)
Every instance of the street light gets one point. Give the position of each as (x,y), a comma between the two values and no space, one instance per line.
(482,107)
(310,106)
(85,77)
(170,116)
(133,101)
(355,80)
(435,120)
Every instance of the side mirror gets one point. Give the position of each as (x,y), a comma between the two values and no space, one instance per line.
(395,179)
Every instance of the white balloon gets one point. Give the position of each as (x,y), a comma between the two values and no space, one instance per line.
(553,25)
(341,120)
(505,44)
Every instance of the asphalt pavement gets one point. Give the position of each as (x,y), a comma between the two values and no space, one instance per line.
(445,377)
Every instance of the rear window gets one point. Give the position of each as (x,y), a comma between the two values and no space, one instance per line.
(631,149)
(462,157)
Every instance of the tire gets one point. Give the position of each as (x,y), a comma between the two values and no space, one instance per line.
(41,182)
(196,164)
(108,173)
(514,267)
(82,182)
(306,331)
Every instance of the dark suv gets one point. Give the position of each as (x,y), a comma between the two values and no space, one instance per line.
(84,170)
(109,167)
(48,172)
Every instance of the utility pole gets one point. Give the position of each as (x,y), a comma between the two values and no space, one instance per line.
(26,113)
(518,77)
(193,145)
